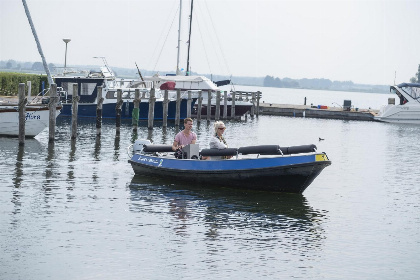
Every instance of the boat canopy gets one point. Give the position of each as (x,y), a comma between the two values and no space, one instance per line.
(412,89)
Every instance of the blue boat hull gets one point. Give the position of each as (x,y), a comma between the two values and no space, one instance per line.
(88,110)
(284,174)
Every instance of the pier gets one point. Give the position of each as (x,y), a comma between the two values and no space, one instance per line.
(339,113)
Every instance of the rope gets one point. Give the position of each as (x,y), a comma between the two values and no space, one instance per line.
(164,42)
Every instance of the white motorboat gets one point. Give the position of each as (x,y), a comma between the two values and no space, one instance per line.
(408,108)
(36,119)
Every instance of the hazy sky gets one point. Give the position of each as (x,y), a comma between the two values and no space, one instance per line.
(363,41)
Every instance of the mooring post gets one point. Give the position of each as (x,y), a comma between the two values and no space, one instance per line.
(74,110)
(165,108)
(259,94)
(29,85)
(217,113)
(189,101)
(225,105)
(253,104)
(232,107)
(99,102)
(208,105)
(151,116)
(178,107)
(22,113)
(199,105)
(118,107)
(53,110)
(136,109)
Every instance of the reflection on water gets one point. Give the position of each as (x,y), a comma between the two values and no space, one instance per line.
(284,219)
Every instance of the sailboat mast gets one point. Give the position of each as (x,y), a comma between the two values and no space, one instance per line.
(178,72)
(189,40)
(38,44)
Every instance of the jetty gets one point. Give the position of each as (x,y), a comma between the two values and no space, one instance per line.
(307,111)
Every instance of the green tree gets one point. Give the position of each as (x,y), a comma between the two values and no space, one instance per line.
(416,79)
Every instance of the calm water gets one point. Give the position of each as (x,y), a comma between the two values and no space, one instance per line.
(76,211)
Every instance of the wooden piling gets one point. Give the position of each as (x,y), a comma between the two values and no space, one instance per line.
(74,110)
(136,110)
(99,102)
(29,85)
(189,101)
(253,104)
(225,105)
(178,107)
(53,112)
(118,107)
(208,105)
(151,116)
(217,113)
(258,102)
(165,108)
(22,113)
(199,105)
(232,108)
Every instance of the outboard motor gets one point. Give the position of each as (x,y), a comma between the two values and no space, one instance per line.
(139,145)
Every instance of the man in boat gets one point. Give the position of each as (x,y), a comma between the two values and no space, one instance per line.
(185,137)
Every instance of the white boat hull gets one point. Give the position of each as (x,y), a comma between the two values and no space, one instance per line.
(400,114)
(37,119)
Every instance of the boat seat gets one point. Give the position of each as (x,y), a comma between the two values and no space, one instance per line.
(157,148)
(219,152)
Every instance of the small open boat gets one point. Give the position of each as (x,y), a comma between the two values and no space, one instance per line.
(264,167)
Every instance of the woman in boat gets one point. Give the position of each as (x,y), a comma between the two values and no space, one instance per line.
(218,141)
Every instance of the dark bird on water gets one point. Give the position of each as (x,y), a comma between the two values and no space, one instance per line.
(320,139)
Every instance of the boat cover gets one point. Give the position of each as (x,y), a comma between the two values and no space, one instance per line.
(168,86)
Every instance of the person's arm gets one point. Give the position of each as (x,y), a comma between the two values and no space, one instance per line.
(175,146)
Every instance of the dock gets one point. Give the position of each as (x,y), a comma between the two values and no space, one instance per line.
(339,113)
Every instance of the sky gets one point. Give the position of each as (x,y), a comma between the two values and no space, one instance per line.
(368,42)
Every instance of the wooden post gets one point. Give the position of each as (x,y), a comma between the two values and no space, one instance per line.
(29,84)
(258,102)
(53,111)
(99,102)
(232,108)
(74,110)
(136,110)
(253,104)
(151,116)
(240,96)
(225,105)
(208,105)
(200,101)
(217,113)
(189,101)
(22,113)
(118,107)
(165,108)
(178,107)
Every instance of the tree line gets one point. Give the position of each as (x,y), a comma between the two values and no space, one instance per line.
(416,78)
(14,65)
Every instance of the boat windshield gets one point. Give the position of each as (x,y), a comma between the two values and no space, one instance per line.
(414,92)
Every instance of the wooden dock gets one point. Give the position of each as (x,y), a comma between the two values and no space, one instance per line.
(311,112)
